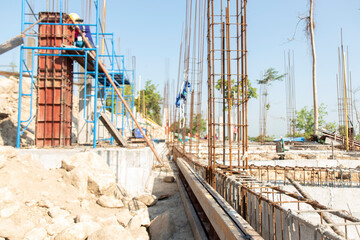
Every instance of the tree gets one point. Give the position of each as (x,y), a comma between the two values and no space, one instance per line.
(128,89)
(304,121)
(310,33)
(174,126)
(310,28)
(202,125)
(270,76)
(153,101)
(252,92)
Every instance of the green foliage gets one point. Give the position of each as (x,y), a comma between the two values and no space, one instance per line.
(271,75)
(252,92)
(260,138)
(267,107)
(304,121)
(153,101)
(202,125)
(357,137)
(331,126)
(128,96)
(175,125)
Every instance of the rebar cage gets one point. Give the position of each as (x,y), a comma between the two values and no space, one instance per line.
(227,84)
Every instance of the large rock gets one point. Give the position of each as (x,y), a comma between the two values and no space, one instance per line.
(162,227)
(75,232)
(36,234)
(9,209)
(148,200)
(79,179)
(84,159)
(140,234)
(107,220)
(169,179)
(123,217)
(84,217)
(9,229)
(6,195)
(135,205)
(109,202)
(101,180)
(90,227)
(78,231)
(45,203)
(113,232)
(85,204)
(143,214)
(58,226)
(57,212)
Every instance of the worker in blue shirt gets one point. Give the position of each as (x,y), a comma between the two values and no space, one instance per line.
(79,42)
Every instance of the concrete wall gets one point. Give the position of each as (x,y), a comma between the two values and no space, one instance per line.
(132,167)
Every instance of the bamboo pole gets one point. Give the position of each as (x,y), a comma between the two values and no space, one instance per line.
(120,96)
(345,98)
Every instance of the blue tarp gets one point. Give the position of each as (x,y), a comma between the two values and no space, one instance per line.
(297,139)
(137,133)
(183,93)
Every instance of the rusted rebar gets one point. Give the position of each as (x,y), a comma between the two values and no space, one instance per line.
(324,215)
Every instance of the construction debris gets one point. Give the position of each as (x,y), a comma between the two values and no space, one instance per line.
(78,201)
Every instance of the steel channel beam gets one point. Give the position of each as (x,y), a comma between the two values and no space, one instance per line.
(227,223)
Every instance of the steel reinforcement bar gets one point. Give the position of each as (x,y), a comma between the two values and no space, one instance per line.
(273,212)
(308,176)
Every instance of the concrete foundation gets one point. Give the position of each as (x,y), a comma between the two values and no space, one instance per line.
(336,198)
(132,167)
(307,163)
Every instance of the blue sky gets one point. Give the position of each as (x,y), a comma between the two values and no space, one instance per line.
(151,31)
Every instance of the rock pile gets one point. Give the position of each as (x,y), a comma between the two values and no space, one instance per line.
(79,201)
(9,95)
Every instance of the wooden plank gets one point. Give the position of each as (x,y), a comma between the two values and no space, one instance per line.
(112,130)
(11,44)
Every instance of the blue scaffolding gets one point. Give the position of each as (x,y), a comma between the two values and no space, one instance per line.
(101,91)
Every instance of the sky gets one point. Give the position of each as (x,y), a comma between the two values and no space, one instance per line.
(151,31)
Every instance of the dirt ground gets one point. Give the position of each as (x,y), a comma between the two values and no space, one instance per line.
(173,203)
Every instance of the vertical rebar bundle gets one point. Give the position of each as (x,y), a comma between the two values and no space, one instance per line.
(227,84)
(344,94)
(191,71)
(289,64)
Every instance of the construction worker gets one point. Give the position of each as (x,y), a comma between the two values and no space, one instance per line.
(235,132)
(79,42)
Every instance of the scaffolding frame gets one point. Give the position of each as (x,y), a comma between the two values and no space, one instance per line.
(100,91)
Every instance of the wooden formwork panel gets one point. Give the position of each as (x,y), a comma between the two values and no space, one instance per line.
(55,79)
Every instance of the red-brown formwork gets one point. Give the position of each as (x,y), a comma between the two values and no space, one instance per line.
(55,79)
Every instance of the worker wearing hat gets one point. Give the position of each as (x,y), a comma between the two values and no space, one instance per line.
(79,42)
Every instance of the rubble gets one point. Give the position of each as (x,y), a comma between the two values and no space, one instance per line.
(162,227)
(169,179)
(80,201)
